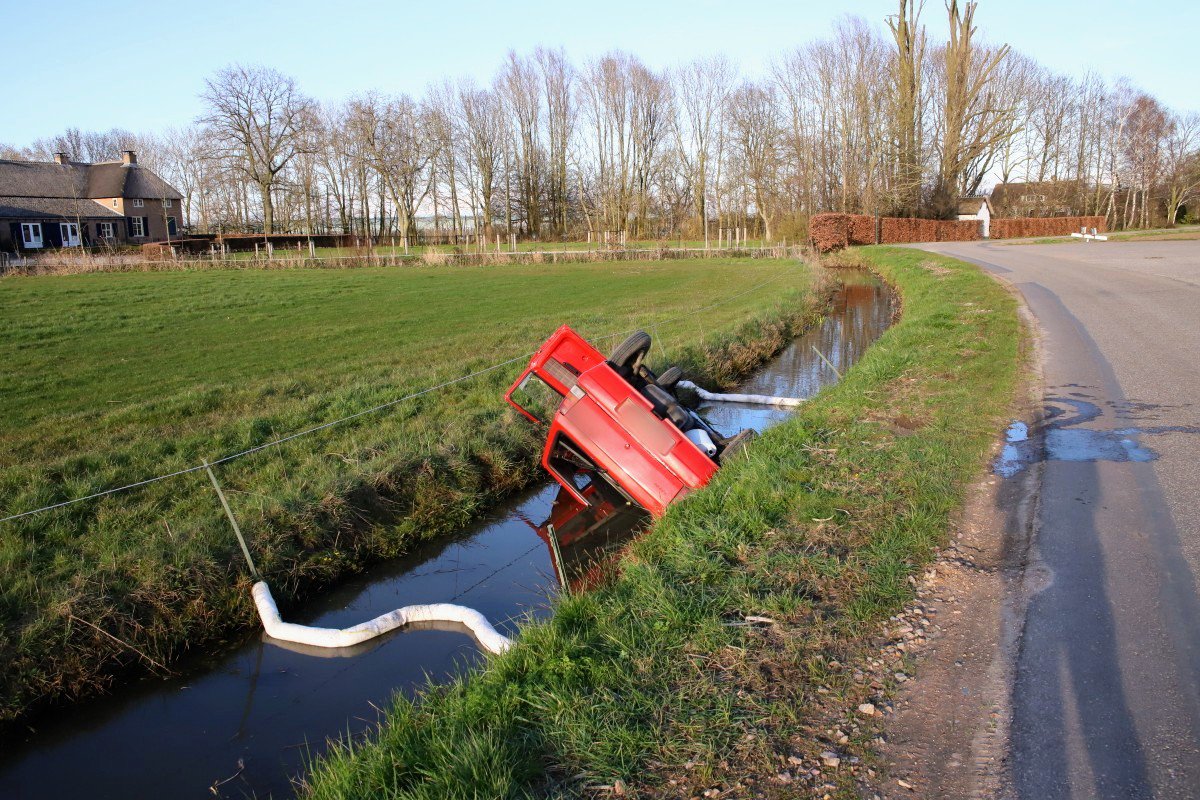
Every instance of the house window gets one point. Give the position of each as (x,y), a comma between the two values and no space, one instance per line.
(171,228)
(166,202)
(137,202)
(136,226)
(106,230)
(31,234)
(114,203)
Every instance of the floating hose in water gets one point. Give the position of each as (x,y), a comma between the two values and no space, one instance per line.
(760,399)
(488,637)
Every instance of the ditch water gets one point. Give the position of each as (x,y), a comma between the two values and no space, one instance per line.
(243,723)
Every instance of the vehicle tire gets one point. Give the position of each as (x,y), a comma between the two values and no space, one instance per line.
(629,352)
(669,378)
(736,445)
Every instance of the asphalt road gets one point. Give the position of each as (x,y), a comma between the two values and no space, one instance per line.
(1106,701)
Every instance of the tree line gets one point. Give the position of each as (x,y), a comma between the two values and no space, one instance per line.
(869,119)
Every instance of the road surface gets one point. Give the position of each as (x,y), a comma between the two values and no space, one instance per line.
(1106,696)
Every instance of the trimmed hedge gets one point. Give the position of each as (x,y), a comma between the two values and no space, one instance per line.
(834,231)
(1024,227)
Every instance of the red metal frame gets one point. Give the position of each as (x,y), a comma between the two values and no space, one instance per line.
(607,420)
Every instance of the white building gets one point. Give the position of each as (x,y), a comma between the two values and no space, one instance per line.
(976,208)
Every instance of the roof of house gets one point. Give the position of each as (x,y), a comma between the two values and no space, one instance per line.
(73,181)
(1006,191)
(61,207)
(114,179)
(971,205)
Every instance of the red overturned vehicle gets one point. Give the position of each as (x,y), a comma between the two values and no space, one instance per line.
(612,419)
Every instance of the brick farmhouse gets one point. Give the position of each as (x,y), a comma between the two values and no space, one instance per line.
(65,203)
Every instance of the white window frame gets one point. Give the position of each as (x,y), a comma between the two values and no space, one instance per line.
(107,230)
(166,202)
(139,230)
(27,231)
(69,231)
(138,202)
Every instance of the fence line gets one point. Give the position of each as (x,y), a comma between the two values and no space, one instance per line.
(356,415)
(371,258)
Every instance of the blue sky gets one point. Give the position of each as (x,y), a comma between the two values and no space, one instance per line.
(142,66)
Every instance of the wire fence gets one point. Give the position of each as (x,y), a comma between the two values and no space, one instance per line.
(365,412)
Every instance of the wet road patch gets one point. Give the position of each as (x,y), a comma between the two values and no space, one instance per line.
(1060,437)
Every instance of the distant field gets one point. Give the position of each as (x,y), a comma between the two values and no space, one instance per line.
(522,247)
(112,378)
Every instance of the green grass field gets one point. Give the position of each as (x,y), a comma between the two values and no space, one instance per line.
(653,680)
(114,378)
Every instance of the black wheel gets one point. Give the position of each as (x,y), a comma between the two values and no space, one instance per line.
(631,351)
(736,445)
(669,378)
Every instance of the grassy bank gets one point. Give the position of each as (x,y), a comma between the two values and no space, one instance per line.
(111,379)
(656,680)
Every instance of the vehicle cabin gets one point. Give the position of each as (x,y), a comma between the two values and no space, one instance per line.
(615,420)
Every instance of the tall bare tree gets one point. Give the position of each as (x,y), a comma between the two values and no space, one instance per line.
(558,80)
(756,137)
(905,105)
(1181,164)
(702,89)
(974,119)
(257,115)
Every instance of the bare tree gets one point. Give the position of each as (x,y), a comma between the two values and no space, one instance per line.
(755,136)
(702,89)
(257,115)
(558,80)
(520,88)
(395,134)
(905,105)
(974,118)
(483,145)
(1182,164)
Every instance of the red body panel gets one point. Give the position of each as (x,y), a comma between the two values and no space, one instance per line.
(613,425)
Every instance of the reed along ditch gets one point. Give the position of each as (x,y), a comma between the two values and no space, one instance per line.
(244,723)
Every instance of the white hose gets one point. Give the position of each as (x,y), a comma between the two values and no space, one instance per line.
(760,399)
(488,637)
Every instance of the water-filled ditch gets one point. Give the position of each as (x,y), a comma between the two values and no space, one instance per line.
(248,719)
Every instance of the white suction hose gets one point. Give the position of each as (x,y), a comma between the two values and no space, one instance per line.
(760,399)
(489,638)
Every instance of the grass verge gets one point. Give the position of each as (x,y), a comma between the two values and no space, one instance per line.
(112,378)
(655,684)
